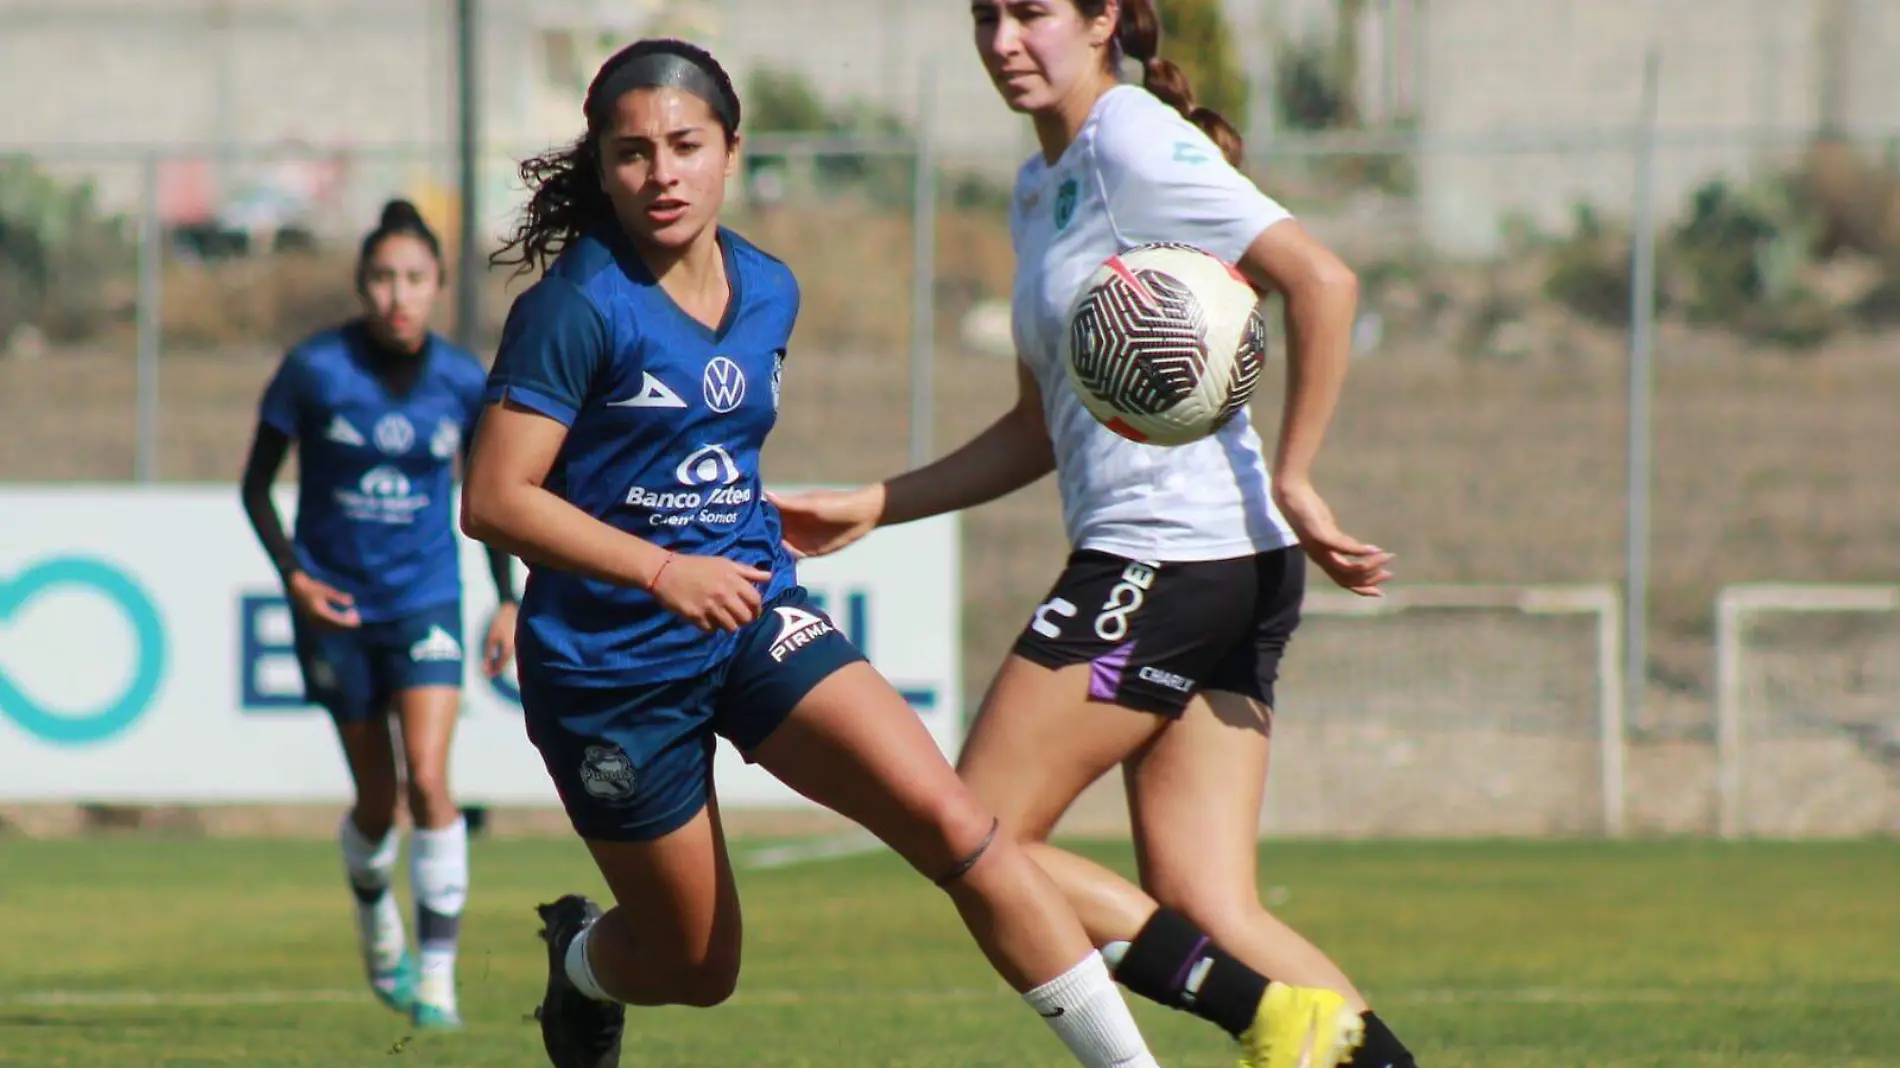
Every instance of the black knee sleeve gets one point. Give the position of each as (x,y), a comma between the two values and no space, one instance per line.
(963,866)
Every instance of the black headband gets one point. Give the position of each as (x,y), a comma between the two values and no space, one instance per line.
(666,70)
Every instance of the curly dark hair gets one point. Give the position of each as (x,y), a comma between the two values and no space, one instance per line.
(567,200)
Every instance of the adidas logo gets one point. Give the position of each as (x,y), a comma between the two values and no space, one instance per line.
(341,432)
(436,645)
(797,628)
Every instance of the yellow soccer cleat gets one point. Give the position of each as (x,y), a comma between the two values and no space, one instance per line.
(1301,1027)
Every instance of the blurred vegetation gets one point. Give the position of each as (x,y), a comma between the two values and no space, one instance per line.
(66,264)
(1196,37)
(1788,259)
(785,102)
(1316,88)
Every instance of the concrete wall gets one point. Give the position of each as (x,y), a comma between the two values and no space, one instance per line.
(1741,80)
(104,77)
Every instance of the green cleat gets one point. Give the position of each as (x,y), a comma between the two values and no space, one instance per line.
(429,1017)
(396,988)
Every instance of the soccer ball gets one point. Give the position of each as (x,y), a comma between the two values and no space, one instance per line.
(1165,343)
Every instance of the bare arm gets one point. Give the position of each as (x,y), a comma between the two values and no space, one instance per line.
(1011,453)
(506,505)
(1321,295)
(501,566)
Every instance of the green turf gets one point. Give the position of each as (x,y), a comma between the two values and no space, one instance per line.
(1503,955)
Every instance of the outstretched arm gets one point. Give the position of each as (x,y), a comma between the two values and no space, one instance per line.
(1011,453)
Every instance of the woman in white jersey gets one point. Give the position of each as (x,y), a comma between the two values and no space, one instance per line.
(1158,646)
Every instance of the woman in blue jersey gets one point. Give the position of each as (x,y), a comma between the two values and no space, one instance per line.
(1158,646)
(636,382)
(379,409)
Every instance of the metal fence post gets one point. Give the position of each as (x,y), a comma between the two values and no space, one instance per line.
(468,280)
(923,316)
(150,261)
(1642,387)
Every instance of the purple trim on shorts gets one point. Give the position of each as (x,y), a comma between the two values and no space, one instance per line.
(1187,966)
(1105,672)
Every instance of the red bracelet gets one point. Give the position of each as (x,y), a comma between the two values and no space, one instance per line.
(655,584)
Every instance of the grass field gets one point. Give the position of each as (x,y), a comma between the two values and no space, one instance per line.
(1502,955)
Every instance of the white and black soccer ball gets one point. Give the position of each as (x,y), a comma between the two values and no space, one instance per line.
(1165,343)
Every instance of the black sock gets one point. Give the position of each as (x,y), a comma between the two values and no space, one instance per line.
(1381,1049)
(1163,958)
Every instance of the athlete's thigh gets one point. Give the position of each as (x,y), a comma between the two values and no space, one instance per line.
(677,892)
(631,763)
(855,746)
(633,768)
(371,755)
(1038,742)
(1195,794)
(802,702)
(1109,658)
(428,715)
(1194,799)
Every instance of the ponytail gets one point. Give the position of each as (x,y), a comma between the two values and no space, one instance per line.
(1139,35)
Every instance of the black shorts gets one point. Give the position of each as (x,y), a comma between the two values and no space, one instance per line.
(1155,634)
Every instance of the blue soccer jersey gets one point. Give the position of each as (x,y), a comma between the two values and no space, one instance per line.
(665,419)
(376,469)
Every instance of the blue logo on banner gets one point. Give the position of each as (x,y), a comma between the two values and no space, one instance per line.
(854,618)
(259,645)
(84,726)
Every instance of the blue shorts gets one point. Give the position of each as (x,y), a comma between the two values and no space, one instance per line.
(634,763)
(356,673)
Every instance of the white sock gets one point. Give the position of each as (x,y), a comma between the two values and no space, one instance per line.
(438,873)
(1087,1012)
(371,867)
(580,970)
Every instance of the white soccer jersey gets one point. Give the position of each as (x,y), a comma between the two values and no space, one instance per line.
(1137,172)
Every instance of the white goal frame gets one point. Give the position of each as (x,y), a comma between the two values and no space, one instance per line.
(1604,601)
(1733,606)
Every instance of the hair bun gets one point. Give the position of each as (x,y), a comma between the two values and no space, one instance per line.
(400,213)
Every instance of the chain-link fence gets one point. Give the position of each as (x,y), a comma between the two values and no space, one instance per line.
(1486,427)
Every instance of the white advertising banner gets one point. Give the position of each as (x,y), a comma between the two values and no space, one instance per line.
(145,656)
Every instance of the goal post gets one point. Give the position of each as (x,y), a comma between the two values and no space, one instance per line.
(1807,709)
(1453,710)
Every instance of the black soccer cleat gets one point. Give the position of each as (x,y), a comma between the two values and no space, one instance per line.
(576,1030)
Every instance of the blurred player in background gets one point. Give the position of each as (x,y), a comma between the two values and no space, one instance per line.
(636,384)
(1158,646)
(380,408)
